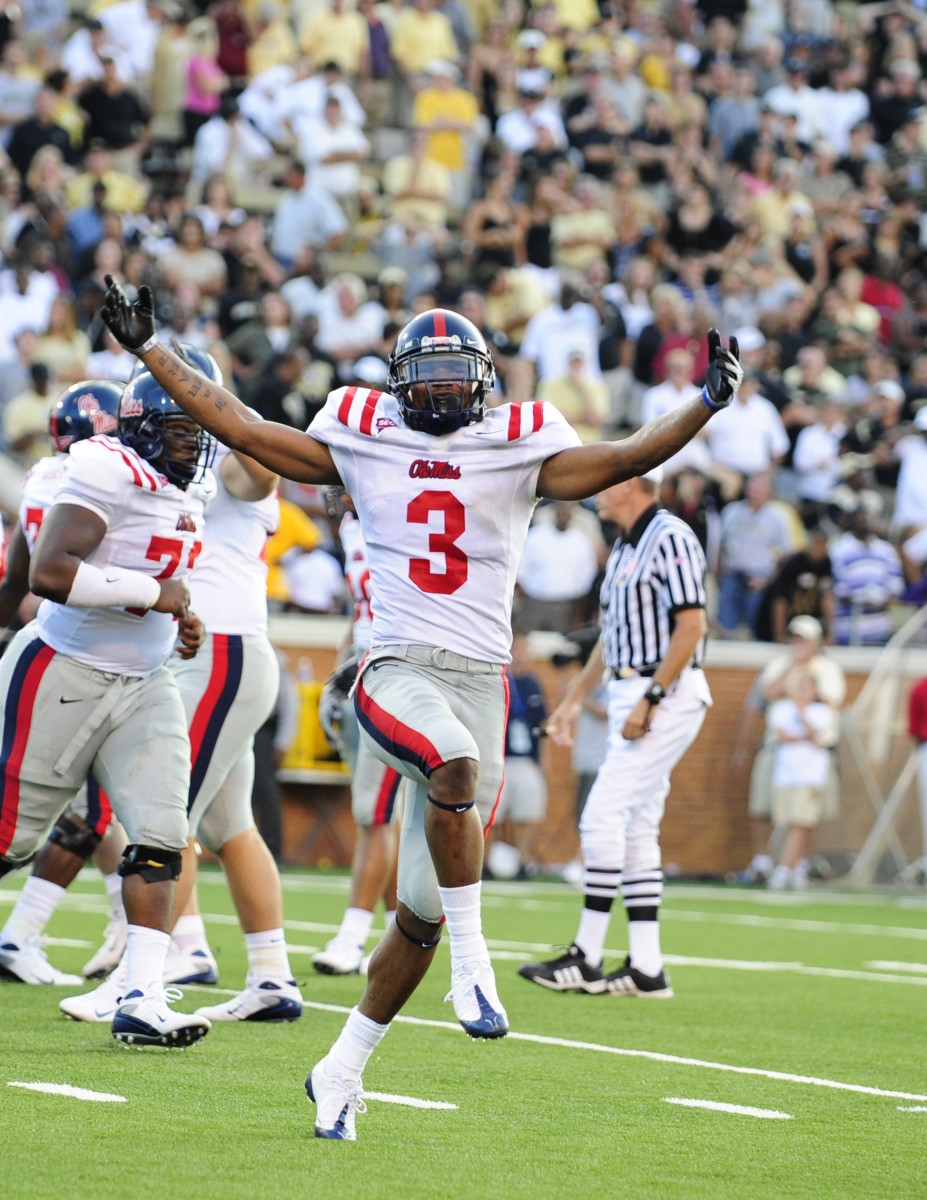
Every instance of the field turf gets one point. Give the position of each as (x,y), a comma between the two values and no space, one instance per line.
(801,1017)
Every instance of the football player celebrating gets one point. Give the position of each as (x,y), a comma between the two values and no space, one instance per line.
(85,689)
(83,410)
(444,488)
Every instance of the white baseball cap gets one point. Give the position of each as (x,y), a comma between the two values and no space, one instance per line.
(749,338)
(807,627)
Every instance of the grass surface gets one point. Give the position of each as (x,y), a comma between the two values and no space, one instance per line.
(810,1006)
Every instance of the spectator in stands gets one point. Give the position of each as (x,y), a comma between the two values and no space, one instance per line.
(124,193)
(192,261)
(805,637)
(563,327)
(333,149)
(64,348)
(307,217)
(421,35)
(335,32)
(803,585)
(755,535)
(37,130)
(229,144)
(348,332)
(205,79)
(582,399)
(751,439)
(911,495)
(20,83)
(25,418)
(449,115)
(557,570)
(116,116)
(868,579)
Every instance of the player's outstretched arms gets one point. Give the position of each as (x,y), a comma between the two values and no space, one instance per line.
(583,471)
(279,448)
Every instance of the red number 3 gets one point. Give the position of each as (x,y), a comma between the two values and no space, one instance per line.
(454,575)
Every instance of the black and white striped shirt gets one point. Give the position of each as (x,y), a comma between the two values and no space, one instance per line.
(653,573)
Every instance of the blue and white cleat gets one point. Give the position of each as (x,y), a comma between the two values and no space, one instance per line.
(99,1006)
(145,1020)
(337,1102)
(190,966)
(267,1000)
(27,962)
(476,1002)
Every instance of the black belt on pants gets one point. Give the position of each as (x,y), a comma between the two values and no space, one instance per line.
(641,672)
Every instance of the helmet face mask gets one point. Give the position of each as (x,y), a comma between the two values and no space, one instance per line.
(441,371)
(160,431)
(84,410)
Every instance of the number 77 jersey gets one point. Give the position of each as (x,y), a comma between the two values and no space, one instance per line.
(151,526)
(444,517)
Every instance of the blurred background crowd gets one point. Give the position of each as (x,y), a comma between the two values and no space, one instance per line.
(594,183)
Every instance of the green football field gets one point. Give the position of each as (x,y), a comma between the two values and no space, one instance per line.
(792,1062)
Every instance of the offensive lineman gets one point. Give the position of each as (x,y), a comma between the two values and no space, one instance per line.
(81,411)
(652,645)
(444,488)
(85,687)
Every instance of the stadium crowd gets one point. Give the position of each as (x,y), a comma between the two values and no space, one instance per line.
(594,184)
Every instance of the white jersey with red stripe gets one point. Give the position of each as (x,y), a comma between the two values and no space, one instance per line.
(151,526)
(444,517)
(228,589)
(38,494)
(357,577)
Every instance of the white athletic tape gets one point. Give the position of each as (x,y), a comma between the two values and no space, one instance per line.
(743,1110)
(64,1089)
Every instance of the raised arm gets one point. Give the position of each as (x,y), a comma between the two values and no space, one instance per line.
(583,471)
(280,448)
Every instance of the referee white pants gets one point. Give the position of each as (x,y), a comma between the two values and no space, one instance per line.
(620,825)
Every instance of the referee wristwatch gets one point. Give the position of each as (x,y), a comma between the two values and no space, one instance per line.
(655,693)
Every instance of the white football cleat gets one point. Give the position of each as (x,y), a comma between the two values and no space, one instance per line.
(190,966)
(144,1019)
(476,1002)
(107,957)
(264,1000)
(98,1006)
(338,1101)
(28,963)
(340,957)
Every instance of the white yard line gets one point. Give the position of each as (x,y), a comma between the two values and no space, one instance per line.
(807,926)
(912,1108)
(915,968)
(64,1089)
(408,1101)
(744,1110)
(652,1055)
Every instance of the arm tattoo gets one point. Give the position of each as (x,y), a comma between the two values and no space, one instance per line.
(195,386)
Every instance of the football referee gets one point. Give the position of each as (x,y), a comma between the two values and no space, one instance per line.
(652,644)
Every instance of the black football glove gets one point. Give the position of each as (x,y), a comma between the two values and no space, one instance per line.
(132,325)
(724,374)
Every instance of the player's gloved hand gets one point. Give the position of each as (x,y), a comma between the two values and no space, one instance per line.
(132,325)
(724,374)
(174,598)
(191,633)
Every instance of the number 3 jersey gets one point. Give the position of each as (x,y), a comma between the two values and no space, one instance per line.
(151,526)
(444,517)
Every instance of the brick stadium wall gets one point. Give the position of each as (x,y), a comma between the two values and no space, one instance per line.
(705,832)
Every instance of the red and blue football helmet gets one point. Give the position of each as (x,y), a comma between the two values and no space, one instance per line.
(83,410)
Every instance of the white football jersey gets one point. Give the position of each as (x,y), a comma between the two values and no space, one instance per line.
(151,526)
(38,494)
(228,589)
(444,517)
(357,577)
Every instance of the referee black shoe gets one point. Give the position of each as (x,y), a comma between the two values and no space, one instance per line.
(568,973)
(628,981)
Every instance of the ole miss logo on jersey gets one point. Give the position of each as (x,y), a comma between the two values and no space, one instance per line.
(423,468)
(186,523)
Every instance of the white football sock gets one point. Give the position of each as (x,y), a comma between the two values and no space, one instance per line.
(593,930)
(644,946)
(267,956)
(189,933)
(146,950)
(464,923)
(32,911)
(355,1044)
(355,926)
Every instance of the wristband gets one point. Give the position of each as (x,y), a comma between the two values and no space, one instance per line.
(713,407)
(114,587)
(153,341)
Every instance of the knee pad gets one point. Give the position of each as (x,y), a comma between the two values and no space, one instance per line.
(72,833)
(417,941)
(153,863)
